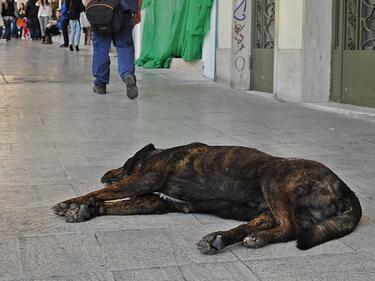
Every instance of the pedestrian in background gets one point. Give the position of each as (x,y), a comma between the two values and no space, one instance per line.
(32,19)
(54,27)
(1,21)
(64,24)
(21,21)
(75,7)
(14,27)
(44,14)
(8,16)
(123,40)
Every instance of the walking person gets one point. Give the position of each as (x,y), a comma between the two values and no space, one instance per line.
(1,21)
(123,40)
(8,16)
(64,24)
(32,18)
(14,27)
(76,7)
(44,14)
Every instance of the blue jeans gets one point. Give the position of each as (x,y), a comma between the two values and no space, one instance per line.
(75,32)
(123,41)
(8,30)
(34,28)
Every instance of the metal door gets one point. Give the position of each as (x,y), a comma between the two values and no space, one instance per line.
(263,45)
(353,68)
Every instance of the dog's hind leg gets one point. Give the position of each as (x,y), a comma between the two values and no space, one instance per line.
(285,228)
(215,242)
(130,187)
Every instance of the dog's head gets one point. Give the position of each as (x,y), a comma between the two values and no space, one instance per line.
(132,165)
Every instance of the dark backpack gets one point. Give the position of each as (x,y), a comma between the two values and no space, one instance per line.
(105,16)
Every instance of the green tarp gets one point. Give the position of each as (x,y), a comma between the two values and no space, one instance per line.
(173,28)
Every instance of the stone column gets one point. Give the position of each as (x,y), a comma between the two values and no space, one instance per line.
(288,45)
(303,50)
(241,44)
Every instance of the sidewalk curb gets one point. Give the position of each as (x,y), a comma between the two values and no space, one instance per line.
(354,111)
(358,112)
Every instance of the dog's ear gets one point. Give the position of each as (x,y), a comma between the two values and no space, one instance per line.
(128,166)
(146,148)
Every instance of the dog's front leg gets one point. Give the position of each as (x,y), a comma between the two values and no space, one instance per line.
(84,207)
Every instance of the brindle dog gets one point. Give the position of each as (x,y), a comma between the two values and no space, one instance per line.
(282,199)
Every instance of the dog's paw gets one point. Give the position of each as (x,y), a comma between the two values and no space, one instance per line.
(83,211)
(253,241)
(61,208)
(211,244)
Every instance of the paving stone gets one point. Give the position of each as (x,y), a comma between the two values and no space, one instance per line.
(34,195)
(113,223)
(10,261)
(62,255)
(136,249)
(34,221)
(331,266)
(91,276)
(132,249)
(224,271)
(289,249)
(16,172)
(171,273)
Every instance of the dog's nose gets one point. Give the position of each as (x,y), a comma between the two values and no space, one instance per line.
(109,181)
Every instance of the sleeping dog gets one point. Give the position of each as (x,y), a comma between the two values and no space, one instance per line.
(279,198)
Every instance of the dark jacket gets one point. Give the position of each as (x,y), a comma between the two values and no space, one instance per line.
(75,7)
(129,5)
(9,12)
(31,9)
(64,11)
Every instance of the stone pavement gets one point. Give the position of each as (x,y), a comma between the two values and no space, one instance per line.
(57,138)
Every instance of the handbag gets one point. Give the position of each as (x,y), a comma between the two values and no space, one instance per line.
(83,20)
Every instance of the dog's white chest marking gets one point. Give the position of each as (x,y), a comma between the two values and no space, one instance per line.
(168,198)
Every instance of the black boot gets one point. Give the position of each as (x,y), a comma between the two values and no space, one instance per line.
(48,40)
(43,39)
(77,48)
(131,86)
(71,47)
(100,89)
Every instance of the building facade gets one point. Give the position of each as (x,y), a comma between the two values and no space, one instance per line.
(297,50)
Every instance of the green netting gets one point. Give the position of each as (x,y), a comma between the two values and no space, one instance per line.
(173,28)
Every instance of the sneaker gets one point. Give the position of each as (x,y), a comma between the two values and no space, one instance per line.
(100,89)
(131,86)
(77,49)
(71,47)
(63,46)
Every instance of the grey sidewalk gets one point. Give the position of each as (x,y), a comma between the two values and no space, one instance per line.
(57,138)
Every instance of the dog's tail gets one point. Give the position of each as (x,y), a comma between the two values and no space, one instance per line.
(334,227)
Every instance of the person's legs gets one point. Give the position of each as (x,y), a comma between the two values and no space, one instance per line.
(101,61)
(125,56)
(48,35)
(8,24)
(42,27)
(77,36)
(125,48)
(65,24)
(72,32)
(34,28)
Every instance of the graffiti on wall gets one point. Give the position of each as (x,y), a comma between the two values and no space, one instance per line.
(239,17)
